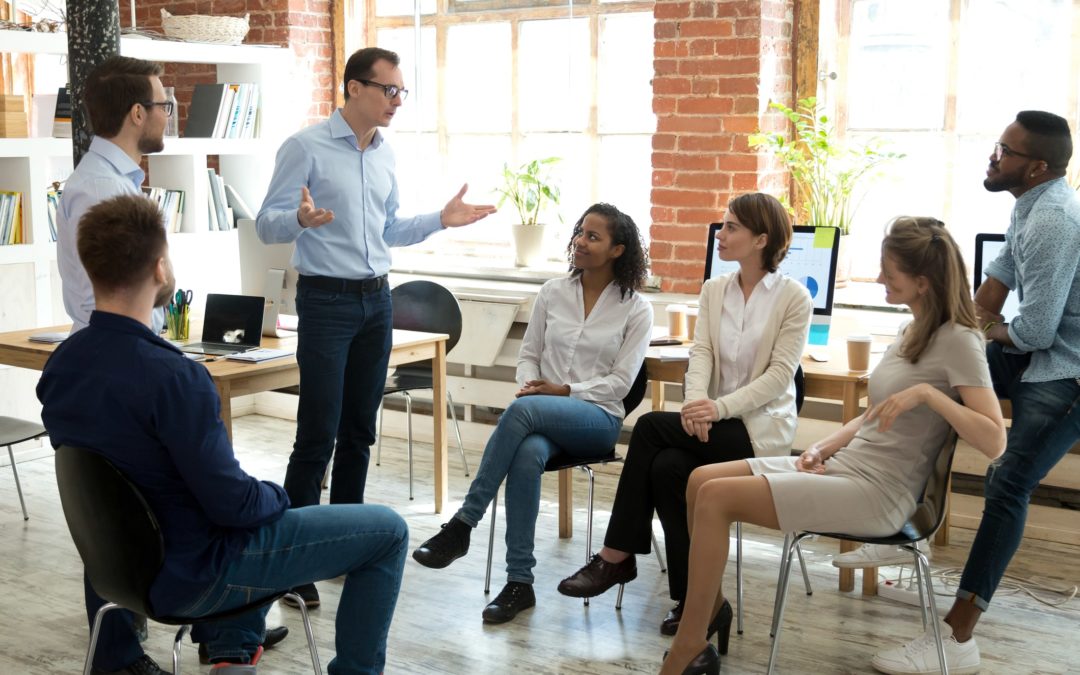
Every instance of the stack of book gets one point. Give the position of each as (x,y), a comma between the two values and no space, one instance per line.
(11,220)
(171,203)
(12,116)
(223,110)
(62,116)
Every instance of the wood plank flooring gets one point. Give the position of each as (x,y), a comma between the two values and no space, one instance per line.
(437,626)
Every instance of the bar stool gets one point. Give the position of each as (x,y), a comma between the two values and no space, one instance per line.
(14,430)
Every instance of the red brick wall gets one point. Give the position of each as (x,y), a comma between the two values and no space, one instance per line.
(717,64)
(303,25)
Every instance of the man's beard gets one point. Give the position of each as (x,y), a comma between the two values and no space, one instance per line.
(148,145)
(165,293)
(1001,182)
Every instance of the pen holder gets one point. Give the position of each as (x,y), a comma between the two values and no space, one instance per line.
(177,325)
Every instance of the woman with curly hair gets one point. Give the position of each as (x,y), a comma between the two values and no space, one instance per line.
(740,400)
(585,343)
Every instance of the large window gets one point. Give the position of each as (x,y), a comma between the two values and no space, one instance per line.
(940,80)
(516,80)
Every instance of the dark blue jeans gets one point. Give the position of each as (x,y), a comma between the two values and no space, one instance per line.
(343,351)
(365,542)
(1045,424)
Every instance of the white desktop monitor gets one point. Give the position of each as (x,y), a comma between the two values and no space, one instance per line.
(987,249)
(266,270)
(811,259)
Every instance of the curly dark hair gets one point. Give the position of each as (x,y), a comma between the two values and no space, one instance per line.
(632,266)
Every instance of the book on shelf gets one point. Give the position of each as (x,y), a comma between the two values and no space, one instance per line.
(222,220)
(11,220)
(52,198)
(62,115)
(171,203)
(223,110)
(237,204)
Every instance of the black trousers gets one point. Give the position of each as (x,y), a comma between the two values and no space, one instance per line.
(654,477)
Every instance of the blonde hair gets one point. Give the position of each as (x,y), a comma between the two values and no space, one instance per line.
(922,247)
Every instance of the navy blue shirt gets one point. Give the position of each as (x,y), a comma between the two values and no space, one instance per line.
(118,389)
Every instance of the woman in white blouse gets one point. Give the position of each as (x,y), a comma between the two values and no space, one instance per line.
(740,400)
(584,345)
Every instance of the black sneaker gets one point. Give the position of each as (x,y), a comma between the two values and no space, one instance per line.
(308,593)
(144,665)
(448,545)
(272,637)
(513,598)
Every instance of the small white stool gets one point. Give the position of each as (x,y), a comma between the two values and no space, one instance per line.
(12,431)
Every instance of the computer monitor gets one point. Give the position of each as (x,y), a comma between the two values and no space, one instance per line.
(266,270)
(811,259)
(987,248)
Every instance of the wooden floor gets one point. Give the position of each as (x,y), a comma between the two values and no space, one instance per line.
(437,627)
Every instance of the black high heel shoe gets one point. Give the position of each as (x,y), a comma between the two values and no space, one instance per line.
(721,627)
(705,663)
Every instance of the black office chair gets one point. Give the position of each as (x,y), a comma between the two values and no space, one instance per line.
(12,431)
(428,307)
(928,516)
(563,461)
(123,548)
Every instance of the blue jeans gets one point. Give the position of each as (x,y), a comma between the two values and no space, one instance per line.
(1045,424)
(343,351)
(367,543)
(530,431)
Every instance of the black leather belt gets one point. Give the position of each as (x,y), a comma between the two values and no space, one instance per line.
(335,285)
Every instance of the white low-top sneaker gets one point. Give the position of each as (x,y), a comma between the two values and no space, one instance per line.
(876,555)
(921,656)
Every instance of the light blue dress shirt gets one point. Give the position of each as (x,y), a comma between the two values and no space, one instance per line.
(105,171)
(359,186)
(1041,263)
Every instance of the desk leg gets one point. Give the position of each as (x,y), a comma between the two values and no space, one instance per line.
(566,504)
(438,377)
(224,390)
(847,577)
(657,395)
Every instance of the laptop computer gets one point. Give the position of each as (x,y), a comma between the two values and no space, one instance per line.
(232,324)
(987,248)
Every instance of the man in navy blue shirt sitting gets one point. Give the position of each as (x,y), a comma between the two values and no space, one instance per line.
(118,389)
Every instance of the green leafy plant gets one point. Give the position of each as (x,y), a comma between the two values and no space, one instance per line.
(529,188)
(827,173)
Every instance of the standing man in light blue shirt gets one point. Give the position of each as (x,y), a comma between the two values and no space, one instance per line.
(128,111)
(1034,362)
(335,194)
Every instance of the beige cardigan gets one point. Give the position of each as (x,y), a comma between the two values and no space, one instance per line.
(766,406)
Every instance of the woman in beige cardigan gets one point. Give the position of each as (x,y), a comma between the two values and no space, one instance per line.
(750,334)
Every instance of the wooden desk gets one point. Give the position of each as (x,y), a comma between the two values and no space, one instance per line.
(236,378)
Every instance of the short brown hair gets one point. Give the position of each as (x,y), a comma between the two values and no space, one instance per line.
(764,214)
(120,241)
(360,64)
(116,84)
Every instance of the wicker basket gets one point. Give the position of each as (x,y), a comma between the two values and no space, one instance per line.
(225,30)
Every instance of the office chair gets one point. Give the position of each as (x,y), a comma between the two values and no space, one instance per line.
(123,548)
(927,518)
(430,308)
(563,461)
(12,431)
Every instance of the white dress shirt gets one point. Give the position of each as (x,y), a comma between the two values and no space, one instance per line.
(600,356)
(744,322)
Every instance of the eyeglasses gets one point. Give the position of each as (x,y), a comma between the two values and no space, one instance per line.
(166,106)
(1002,150)
(391,91)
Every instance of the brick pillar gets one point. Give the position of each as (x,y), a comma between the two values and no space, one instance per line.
(717,65)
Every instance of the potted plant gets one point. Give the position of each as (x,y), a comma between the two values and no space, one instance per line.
(530,188)
(828,175)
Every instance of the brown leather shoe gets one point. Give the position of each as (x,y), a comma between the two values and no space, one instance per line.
(597,577)
(670,624)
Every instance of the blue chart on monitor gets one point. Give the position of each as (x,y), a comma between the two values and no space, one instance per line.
(811,285)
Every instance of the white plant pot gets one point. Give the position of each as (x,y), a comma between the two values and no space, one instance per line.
(528,244)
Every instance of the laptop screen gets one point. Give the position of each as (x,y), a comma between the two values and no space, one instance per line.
(233,319)
(811,259)
(987,249)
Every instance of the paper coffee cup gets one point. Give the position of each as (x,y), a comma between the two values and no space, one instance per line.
(676,320)
(691,321)
(858,352)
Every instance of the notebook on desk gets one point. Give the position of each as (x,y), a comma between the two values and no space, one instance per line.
(233,324)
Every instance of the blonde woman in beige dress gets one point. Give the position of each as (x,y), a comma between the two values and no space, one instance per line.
(865,478)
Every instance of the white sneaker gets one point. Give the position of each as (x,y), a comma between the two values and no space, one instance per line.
(876,555)
(921,656)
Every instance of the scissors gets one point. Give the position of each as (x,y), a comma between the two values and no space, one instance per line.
(183,299)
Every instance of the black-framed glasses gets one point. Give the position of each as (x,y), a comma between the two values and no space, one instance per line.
(167,106)
(1002,150)
(391,91)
